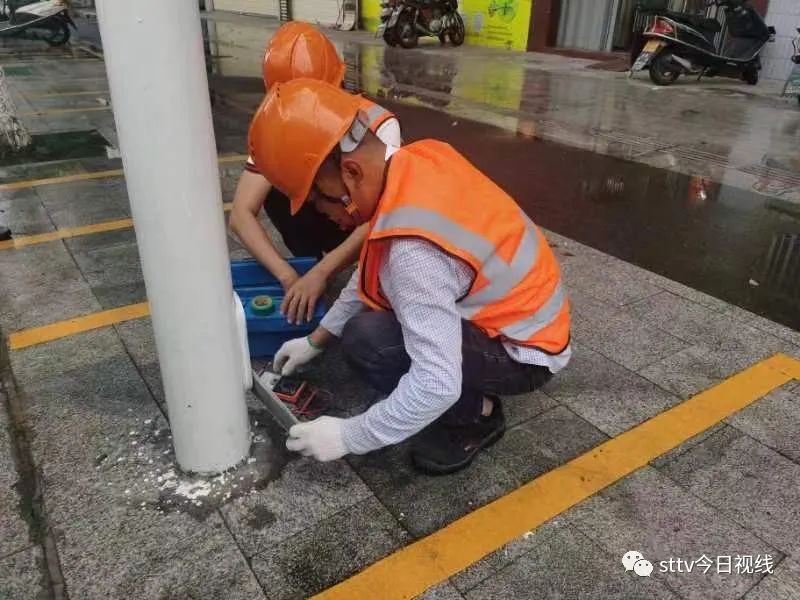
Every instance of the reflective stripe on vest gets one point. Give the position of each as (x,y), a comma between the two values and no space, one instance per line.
(376,115)
(502,277)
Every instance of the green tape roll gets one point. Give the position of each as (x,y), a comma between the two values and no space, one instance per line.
(262,305)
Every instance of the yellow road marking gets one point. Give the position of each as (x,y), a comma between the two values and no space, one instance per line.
(19,185)
(64,94)
(58,111)
(71,232)
(61,329)
(431,560)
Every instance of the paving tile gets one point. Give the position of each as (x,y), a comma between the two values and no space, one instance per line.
(544,442)
(651,514)
(700,367)
(747,482)
(329,552)
(694,323)
(110,263)
(122,552)
(632,342)
(13,528)
(567,564)
(24,214)
(606,282)
(607,395)
(39,170)
(21,576)
(771,327)
(498,560)
(686,446)
(521,408)
(691,294)
(92,418)
(443,591)
(306,493)
(86,202)
(774,420)
(41,284)
(137,337)
(782,584)
(422,503)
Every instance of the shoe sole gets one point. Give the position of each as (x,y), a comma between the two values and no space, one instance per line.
(430,468)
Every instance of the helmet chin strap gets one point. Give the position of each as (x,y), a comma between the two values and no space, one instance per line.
(351,207)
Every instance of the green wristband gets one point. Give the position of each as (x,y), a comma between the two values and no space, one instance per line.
(312,344)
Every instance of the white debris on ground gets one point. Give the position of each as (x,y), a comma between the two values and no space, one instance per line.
(160,484)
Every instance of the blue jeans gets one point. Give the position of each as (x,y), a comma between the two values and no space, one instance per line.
(372,343)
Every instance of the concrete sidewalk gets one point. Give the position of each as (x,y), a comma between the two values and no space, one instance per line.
(94,506)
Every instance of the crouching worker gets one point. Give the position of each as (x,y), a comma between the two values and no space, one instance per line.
(300,50)
(457,297)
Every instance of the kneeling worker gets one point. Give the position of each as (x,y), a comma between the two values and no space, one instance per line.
(457,297)
(300,50)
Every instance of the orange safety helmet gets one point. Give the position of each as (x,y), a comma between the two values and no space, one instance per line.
(301,50)
(294,130)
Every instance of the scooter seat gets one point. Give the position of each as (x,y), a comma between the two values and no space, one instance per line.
(704,24)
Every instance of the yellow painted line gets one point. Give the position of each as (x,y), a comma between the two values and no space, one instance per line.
(61,329)
(71,232)
(65,94)
(59,111)
(19,185)
(431,560)
(67,232)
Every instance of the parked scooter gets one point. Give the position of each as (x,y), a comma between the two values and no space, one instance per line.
(48,21)
(685,44)
(403,21)
(792,87)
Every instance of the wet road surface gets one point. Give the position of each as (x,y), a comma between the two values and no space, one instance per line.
(722,240)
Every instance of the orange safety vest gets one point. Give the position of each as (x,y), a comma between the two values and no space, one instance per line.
(434,193)
(376,114)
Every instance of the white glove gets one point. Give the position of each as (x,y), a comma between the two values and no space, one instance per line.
(320,438)
(293,354)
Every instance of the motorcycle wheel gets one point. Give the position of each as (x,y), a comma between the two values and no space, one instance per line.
(750,75)
(57,34)
(442,38)
(457,30)
(407,36)
(390,37)
(662,70)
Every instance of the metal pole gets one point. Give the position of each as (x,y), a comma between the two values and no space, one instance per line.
(159,91)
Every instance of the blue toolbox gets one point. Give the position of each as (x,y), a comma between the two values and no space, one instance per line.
(261,296)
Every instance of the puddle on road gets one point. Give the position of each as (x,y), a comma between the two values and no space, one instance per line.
(690,228)
(64,145)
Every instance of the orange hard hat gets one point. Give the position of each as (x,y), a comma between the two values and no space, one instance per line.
(296,127)
(301,50)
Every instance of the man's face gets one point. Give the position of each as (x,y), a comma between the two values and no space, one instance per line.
(333,208)
(352,180)
(327,194)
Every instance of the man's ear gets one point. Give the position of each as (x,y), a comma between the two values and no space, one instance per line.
(351,171)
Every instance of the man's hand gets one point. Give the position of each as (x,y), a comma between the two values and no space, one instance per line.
(320,438)
(301,298)
(287,277)
(293,354)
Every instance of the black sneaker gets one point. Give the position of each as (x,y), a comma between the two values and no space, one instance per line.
(443,449)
